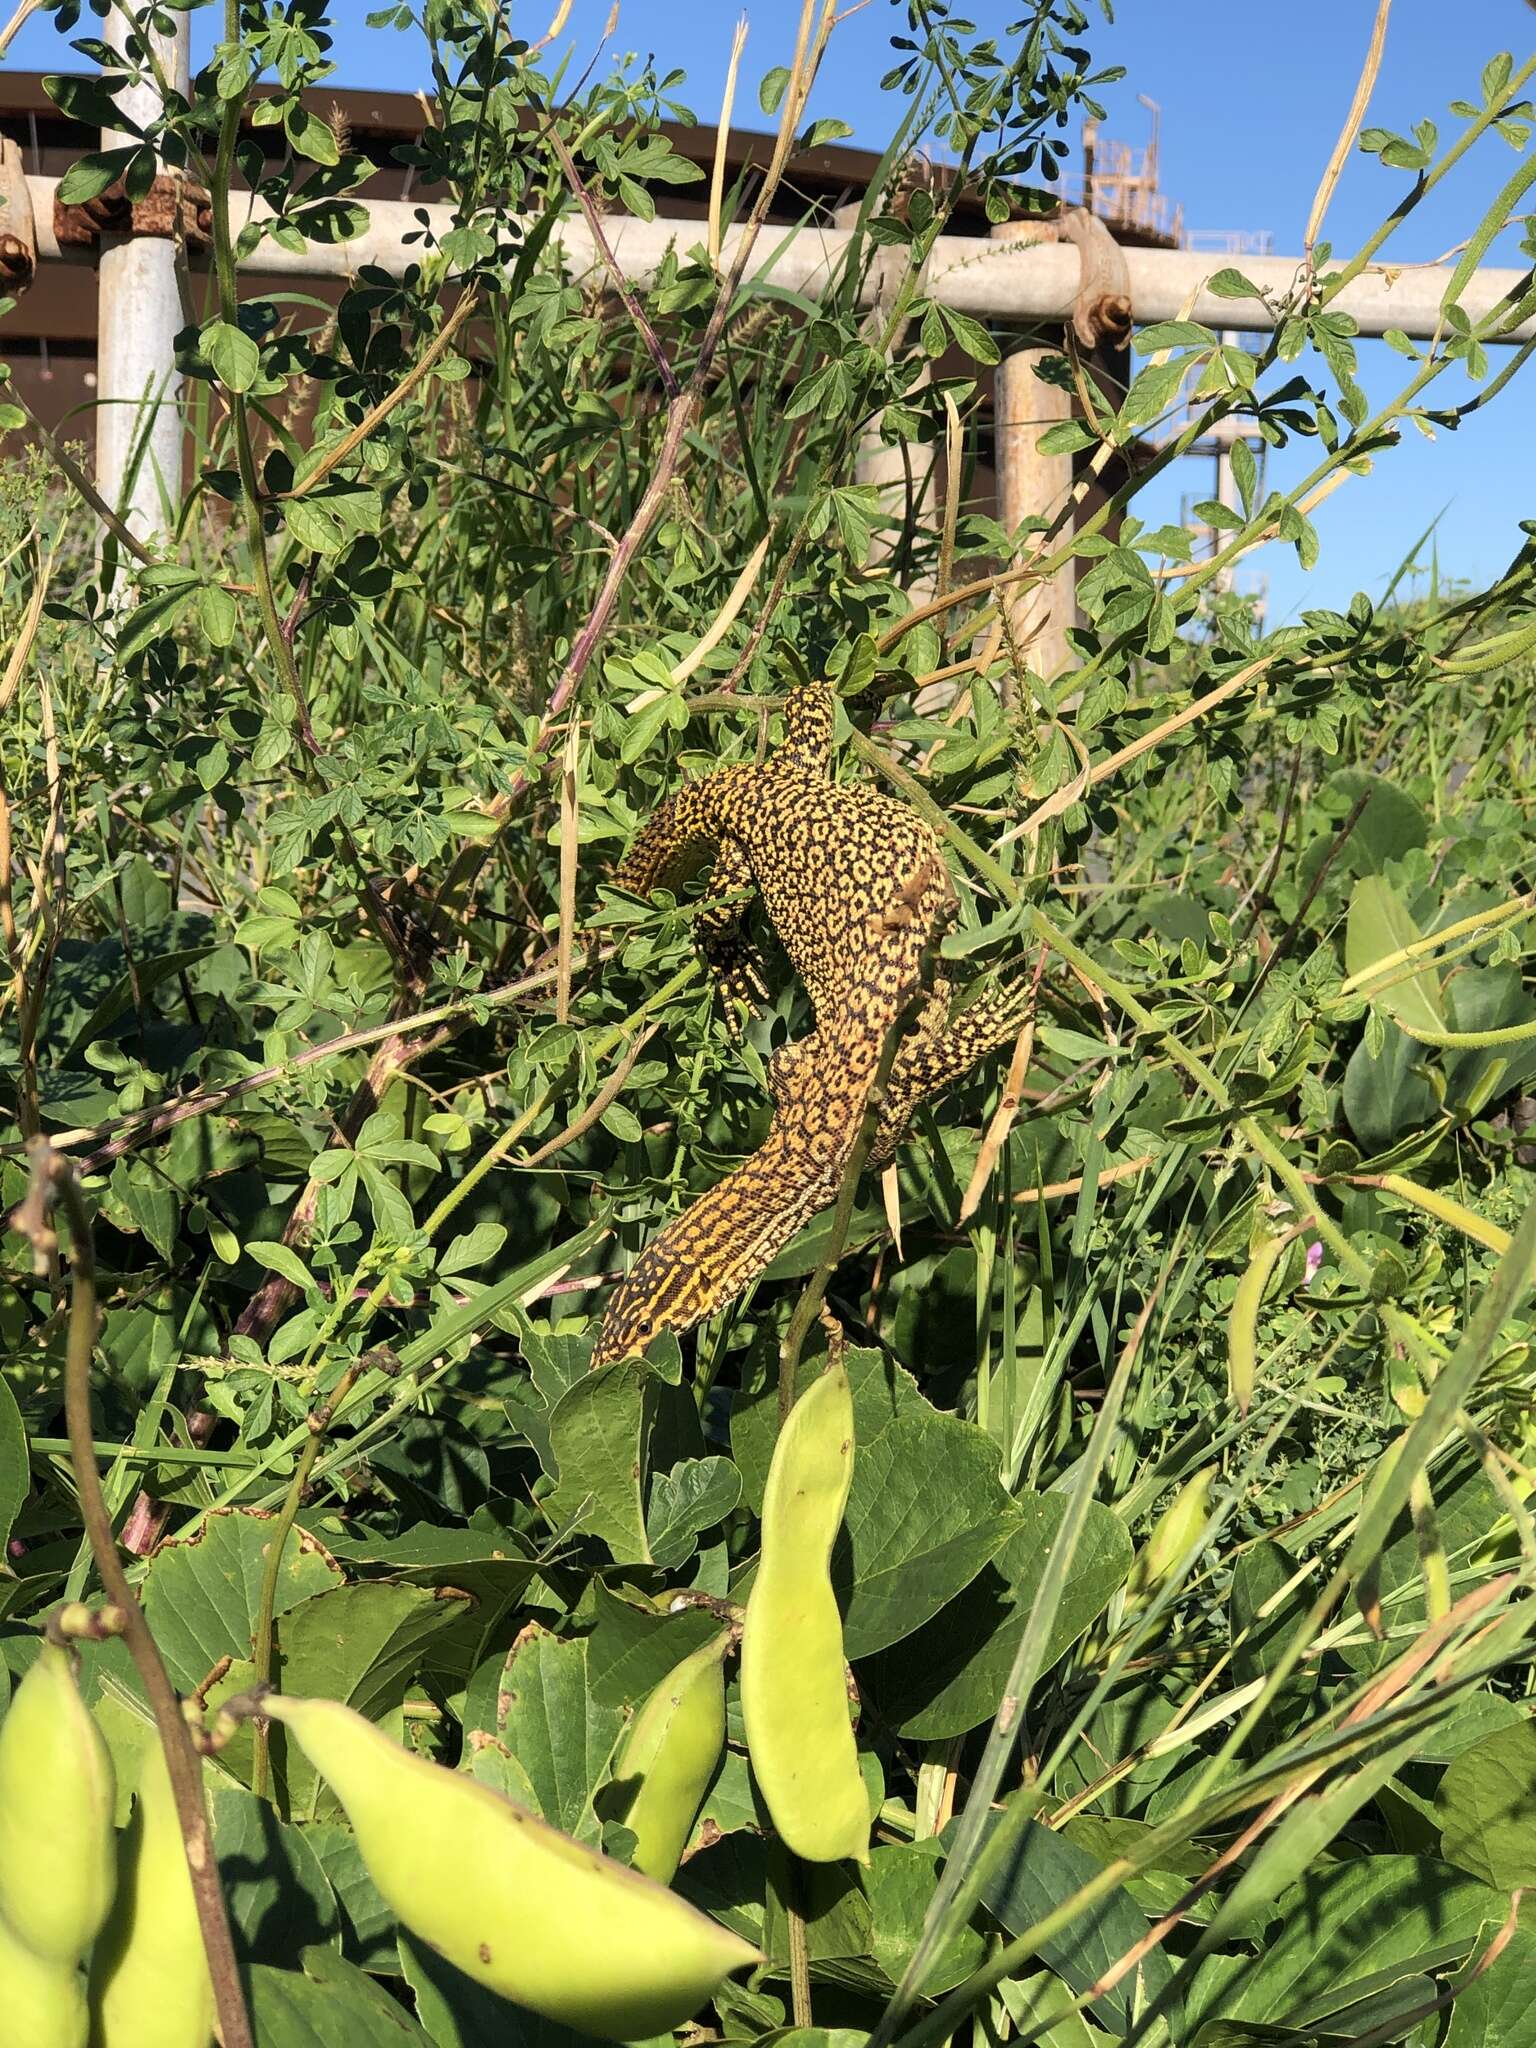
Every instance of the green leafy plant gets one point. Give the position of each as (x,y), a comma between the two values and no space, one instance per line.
(1186,1563)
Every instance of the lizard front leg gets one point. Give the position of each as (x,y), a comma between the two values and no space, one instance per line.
(732,960)
(940,1051)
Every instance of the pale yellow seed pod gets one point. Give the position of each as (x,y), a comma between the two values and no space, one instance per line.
(42,2004)
(669,1756)
(521,1908)
(1177,1532)
(149,1976)
(57,1793)
(794,1694)
(1243,1317)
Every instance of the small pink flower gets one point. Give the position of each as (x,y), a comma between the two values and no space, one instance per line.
(16,1548)
(1314,1261)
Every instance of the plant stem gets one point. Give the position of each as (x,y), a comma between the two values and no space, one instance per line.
(282,1529)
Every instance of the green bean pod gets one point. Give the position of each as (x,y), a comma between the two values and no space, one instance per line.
(794,1694)
(42,2003)
(149,1975)
(669,1756)
(57,1792)
(521,1908)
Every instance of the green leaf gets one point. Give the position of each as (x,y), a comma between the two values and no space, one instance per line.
(1496,2010)
(15,1472)
(535,1700)
(771,91)
(235,358)
(1153,390)
(487,1562)
(89,176)
(1231,284)
(949,1677)
(596,1433)
(472,1248)
(1263,1619)
(333,2005)
(1486,1804)
(899,1885)
(1387,1093)
(1066,437)
(311,136)
(631,1649)
(1044,1870)
(217,614)
(278,1896)
(1380,924)
(279,1258)
(367,1924)
(202,1592)
(1347,1932)
(150,621)
(971,336)
(1173,334)
(694,1496)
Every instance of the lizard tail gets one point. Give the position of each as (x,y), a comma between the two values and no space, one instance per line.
(715,1250)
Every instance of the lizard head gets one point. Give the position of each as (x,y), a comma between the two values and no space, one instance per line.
(664,1291)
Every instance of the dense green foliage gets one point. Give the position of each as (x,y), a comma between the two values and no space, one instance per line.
(372,1086)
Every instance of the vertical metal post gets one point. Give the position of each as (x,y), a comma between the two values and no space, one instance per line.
(1032,485)
(138,417)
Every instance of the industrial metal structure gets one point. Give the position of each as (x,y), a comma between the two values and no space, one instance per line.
(1113,261)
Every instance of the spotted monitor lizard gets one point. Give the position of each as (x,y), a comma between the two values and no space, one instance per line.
(855,885)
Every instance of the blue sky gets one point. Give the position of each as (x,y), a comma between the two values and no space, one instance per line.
(1250,111)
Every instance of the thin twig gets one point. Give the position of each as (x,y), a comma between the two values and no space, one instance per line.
(616,277)
(376,415)
(1364,87)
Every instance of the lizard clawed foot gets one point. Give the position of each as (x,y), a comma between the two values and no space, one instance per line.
(738,977)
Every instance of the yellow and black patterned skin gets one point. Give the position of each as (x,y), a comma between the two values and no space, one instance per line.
(854,884)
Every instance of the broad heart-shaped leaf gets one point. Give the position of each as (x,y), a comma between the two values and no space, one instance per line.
(1044,1870)
(483,1559)
(15,1474)
(202,1592)
(926,1509)
(358,1644)
(950,1676)
(1381,924)
(367,1924)
(279,1898)
(332,2005)
(1487,999)
(1387,1094)
(899,1885)
(1497,2010)
(631,1649)
(536,1701)
(1486,1805)
(597,1433)
(1389,825)
(694,1496)
(1347,1932)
